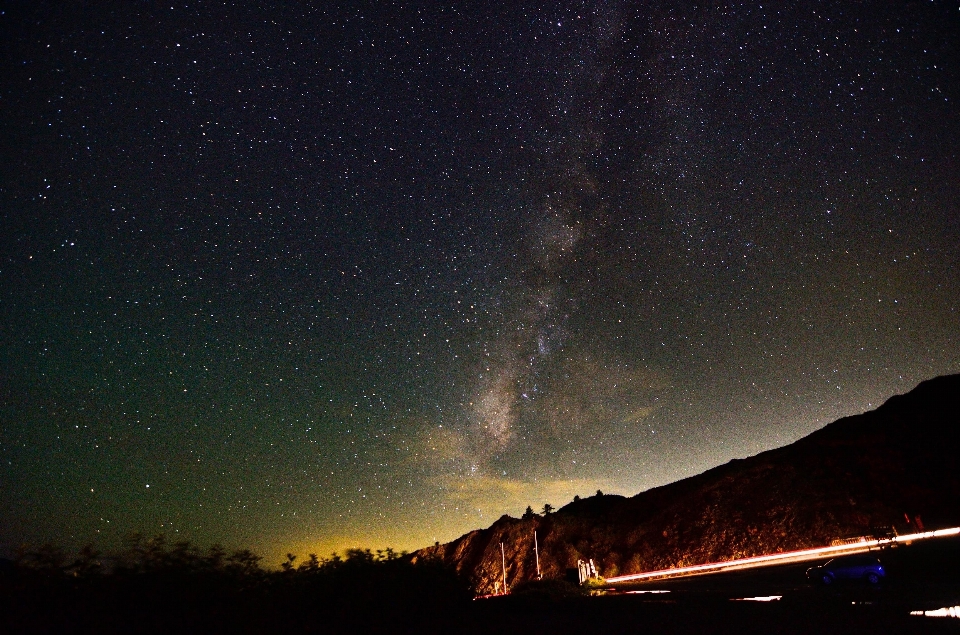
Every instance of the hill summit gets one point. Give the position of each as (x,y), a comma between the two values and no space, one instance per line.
(891,469)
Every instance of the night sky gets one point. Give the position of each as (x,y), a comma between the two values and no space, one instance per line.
(303,279)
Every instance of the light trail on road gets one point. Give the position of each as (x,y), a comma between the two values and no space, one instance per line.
(783,558)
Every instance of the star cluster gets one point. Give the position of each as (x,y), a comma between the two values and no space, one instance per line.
(304,277)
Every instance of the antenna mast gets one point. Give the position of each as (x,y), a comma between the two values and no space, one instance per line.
(536,551)
(503,563)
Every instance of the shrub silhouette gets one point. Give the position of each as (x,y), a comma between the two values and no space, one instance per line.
(157,586)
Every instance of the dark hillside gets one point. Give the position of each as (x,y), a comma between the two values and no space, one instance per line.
(895,467)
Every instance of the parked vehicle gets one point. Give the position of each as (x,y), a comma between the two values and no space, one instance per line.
(860,567)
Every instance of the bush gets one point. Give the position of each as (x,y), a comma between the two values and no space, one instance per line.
(155,586)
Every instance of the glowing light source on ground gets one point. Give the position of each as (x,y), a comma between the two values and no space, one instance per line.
(950,611)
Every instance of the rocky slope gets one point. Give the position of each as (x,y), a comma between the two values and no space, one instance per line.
(883,468)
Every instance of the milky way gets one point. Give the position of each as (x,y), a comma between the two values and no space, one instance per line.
(299,278)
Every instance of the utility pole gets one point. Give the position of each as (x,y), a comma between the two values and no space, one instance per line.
(503,563)
(536,552)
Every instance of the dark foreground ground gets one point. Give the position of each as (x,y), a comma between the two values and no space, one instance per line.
(392,597)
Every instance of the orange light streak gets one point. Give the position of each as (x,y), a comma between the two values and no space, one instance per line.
(788,556)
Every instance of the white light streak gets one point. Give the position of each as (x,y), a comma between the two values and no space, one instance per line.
(782,558)
(952,611)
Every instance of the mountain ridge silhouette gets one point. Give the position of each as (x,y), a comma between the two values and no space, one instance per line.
(892,469)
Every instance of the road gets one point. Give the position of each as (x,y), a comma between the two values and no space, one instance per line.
(922,575)
(779,559)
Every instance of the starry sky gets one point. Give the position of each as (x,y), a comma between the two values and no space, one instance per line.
(301,277)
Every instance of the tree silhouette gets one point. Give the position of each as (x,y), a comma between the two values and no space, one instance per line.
(176,587)
(47,558)
(311,564)
(87,564)
(547,509)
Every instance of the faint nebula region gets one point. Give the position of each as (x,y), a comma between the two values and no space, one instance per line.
(553,239)
(515,396)
(496,410)
(539,387)
(533,332)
